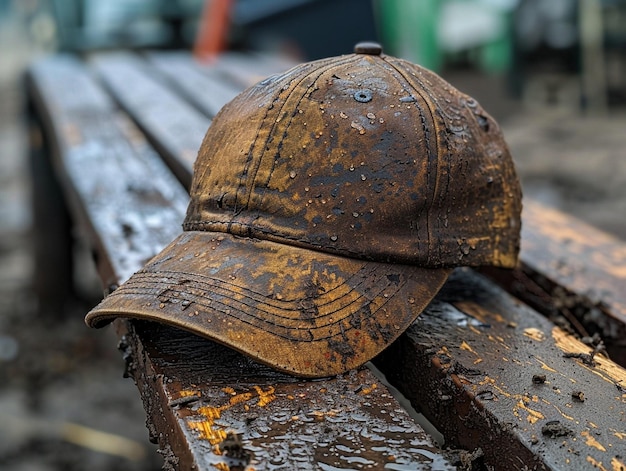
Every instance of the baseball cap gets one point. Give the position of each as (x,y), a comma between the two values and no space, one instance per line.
(328,206)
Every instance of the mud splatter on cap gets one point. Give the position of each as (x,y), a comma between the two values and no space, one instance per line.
(328,206)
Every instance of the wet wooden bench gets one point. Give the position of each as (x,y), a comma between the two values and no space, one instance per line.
(510,367)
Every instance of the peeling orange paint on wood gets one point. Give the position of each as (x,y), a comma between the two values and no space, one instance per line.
(533,415)
(535,334)
(563,414)
(605,368)
(239,398)
(466,346)
(596,464)
(265,397)
(545,367)
(368,390)
(205,427)
(498,340)
(591,441)
(189,393)
(494,385)
(618,465)
(210,414)
(620,435)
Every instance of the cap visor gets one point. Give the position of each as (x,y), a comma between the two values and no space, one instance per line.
(305,312)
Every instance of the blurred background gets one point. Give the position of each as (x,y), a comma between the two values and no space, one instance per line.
(553,73)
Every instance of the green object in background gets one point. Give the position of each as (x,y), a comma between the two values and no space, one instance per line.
(408,29)
(433,32)
(496,56)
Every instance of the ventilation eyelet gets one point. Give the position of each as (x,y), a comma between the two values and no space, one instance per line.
(363,96)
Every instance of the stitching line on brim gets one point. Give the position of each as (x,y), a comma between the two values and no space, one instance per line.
(287,305)
(178,280)
(337,329)
(246,315)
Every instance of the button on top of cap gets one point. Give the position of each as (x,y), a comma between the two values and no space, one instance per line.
(368,47)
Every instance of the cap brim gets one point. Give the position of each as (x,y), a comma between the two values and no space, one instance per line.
(301,311)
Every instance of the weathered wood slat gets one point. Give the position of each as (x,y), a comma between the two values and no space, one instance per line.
(53,270)
(202,85)
(134,206)
(232,411)
(573,273)
(245,69)
(581,266)
(173,126)
(99,151)
(495,375)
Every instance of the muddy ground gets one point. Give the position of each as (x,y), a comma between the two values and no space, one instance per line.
(64,404)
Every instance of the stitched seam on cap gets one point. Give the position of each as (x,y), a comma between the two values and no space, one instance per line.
(245,172)
(407,85)
(271,235)
(274,307)
(129,289)
(324,68)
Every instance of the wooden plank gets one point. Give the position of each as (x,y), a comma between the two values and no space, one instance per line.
(200,84)
(174,126)
(573,273)
(134,206)
(496,376)
(52,241)
(236,414)
(582,259)
(246,69)
(98,153)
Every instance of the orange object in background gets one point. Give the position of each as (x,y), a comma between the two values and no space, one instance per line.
(214,24)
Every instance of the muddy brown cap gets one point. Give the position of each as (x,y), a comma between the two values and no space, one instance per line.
(328,206)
